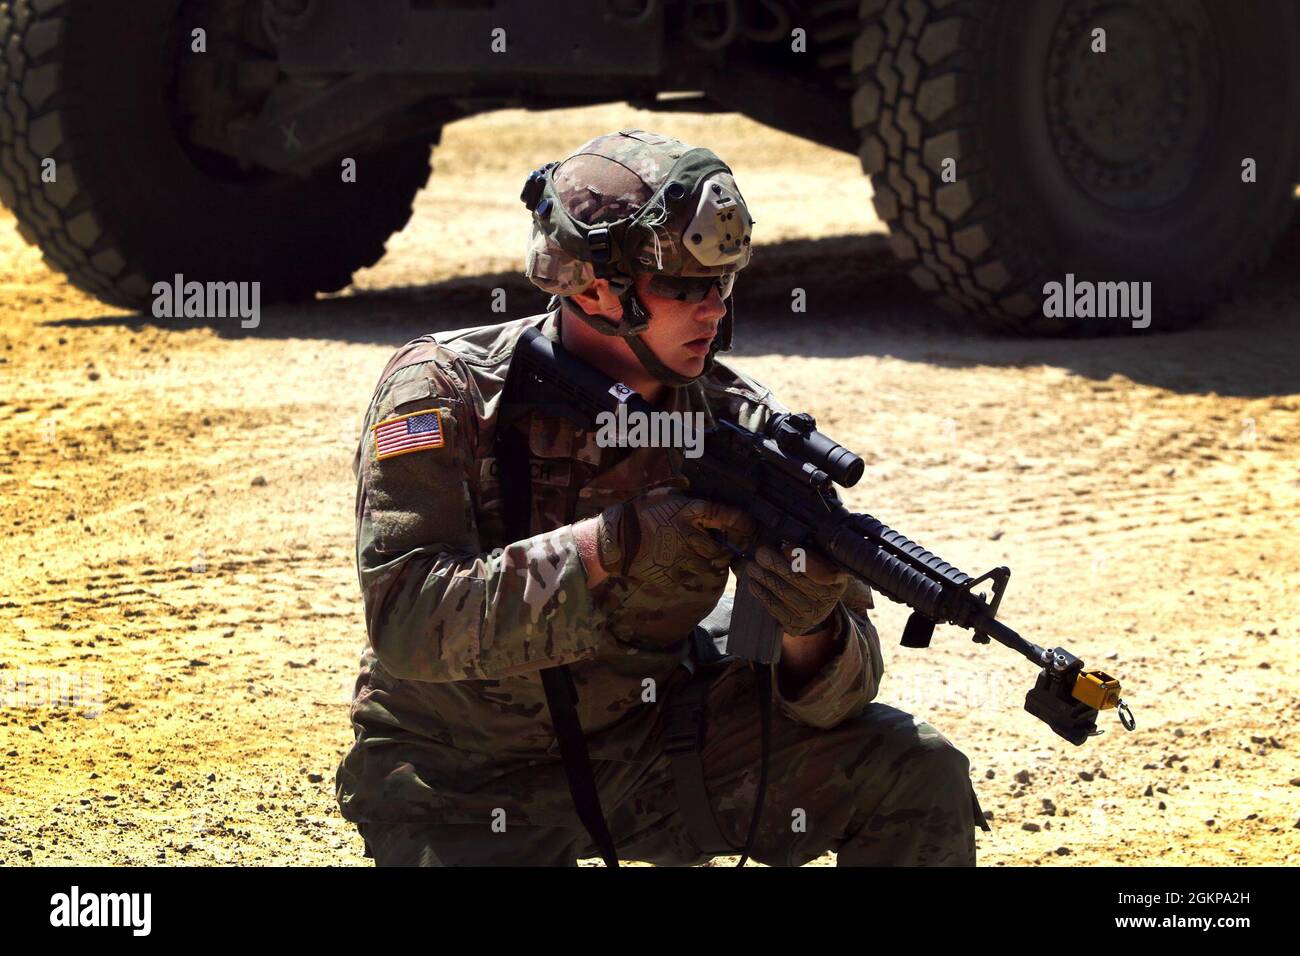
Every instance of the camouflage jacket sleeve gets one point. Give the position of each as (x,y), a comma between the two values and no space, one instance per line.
(848,681)
(437,608)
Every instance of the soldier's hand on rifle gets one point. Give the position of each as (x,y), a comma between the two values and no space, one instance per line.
(663,538)
(801,593)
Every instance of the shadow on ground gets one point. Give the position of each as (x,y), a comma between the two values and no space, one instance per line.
(859,302)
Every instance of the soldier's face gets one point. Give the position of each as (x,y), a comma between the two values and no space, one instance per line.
(680,333)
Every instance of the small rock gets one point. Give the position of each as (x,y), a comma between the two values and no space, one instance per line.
(1265,666)
(1023,776)
(93,375)
(1179,732)
(1217,763)
(212,778)
(1209,822)
(1031,827)
(259,482)
(314,778)
(1161,806)
(988,775)
(1084,775)
(1295,781)
(1062,851)
(1148,792)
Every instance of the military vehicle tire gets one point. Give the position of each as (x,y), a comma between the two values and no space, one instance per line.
(86,84)
(1125,165)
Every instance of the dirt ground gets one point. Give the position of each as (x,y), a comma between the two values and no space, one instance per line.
(177,505)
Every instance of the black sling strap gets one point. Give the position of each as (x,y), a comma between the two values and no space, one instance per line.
(557,682)
(561,698)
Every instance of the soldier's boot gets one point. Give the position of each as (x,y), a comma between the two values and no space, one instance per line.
(422,844)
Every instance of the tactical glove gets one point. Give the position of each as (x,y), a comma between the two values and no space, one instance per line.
(662,538)
(800,600)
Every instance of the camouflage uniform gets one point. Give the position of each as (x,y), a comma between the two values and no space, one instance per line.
(452,731)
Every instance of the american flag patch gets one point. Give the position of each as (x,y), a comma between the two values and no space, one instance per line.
(417,431)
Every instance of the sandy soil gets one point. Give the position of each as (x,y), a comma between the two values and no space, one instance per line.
(177,506)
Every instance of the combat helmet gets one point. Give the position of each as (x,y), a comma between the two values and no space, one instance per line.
(636,202)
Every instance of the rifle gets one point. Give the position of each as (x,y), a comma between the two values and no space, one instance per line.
(785,478)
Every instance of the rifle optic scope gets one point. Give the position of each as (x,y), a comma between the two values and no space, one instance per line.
(797,434)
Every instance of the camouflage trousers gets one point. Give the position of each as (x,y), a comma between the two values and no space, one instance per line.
(880,789)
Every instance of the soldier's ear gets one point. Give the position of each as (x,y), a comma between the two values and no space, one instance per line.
(599,300)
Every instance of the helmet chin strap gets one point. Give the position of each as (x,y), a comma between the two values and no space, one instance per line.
(640,315)
(645,355)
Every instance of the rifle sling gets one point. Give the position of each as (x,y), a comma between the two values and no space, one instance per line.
(557,682)
(561,698)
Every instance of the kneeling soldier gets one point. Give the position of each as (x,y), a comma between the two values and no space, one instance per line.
(545,678)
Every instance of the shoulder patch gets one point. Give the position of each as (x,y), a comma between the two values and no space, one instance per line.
(415,431)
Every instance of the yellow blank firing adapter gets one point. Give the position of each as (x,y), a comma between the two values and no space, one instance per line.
(1098,690)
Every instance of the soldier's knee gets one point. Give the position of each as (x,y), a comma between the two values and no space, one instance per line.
(936,750)
(941,762)
(910,747)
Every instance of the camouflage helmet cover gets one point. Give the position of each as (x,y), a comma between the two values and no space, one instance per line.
(670,208)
